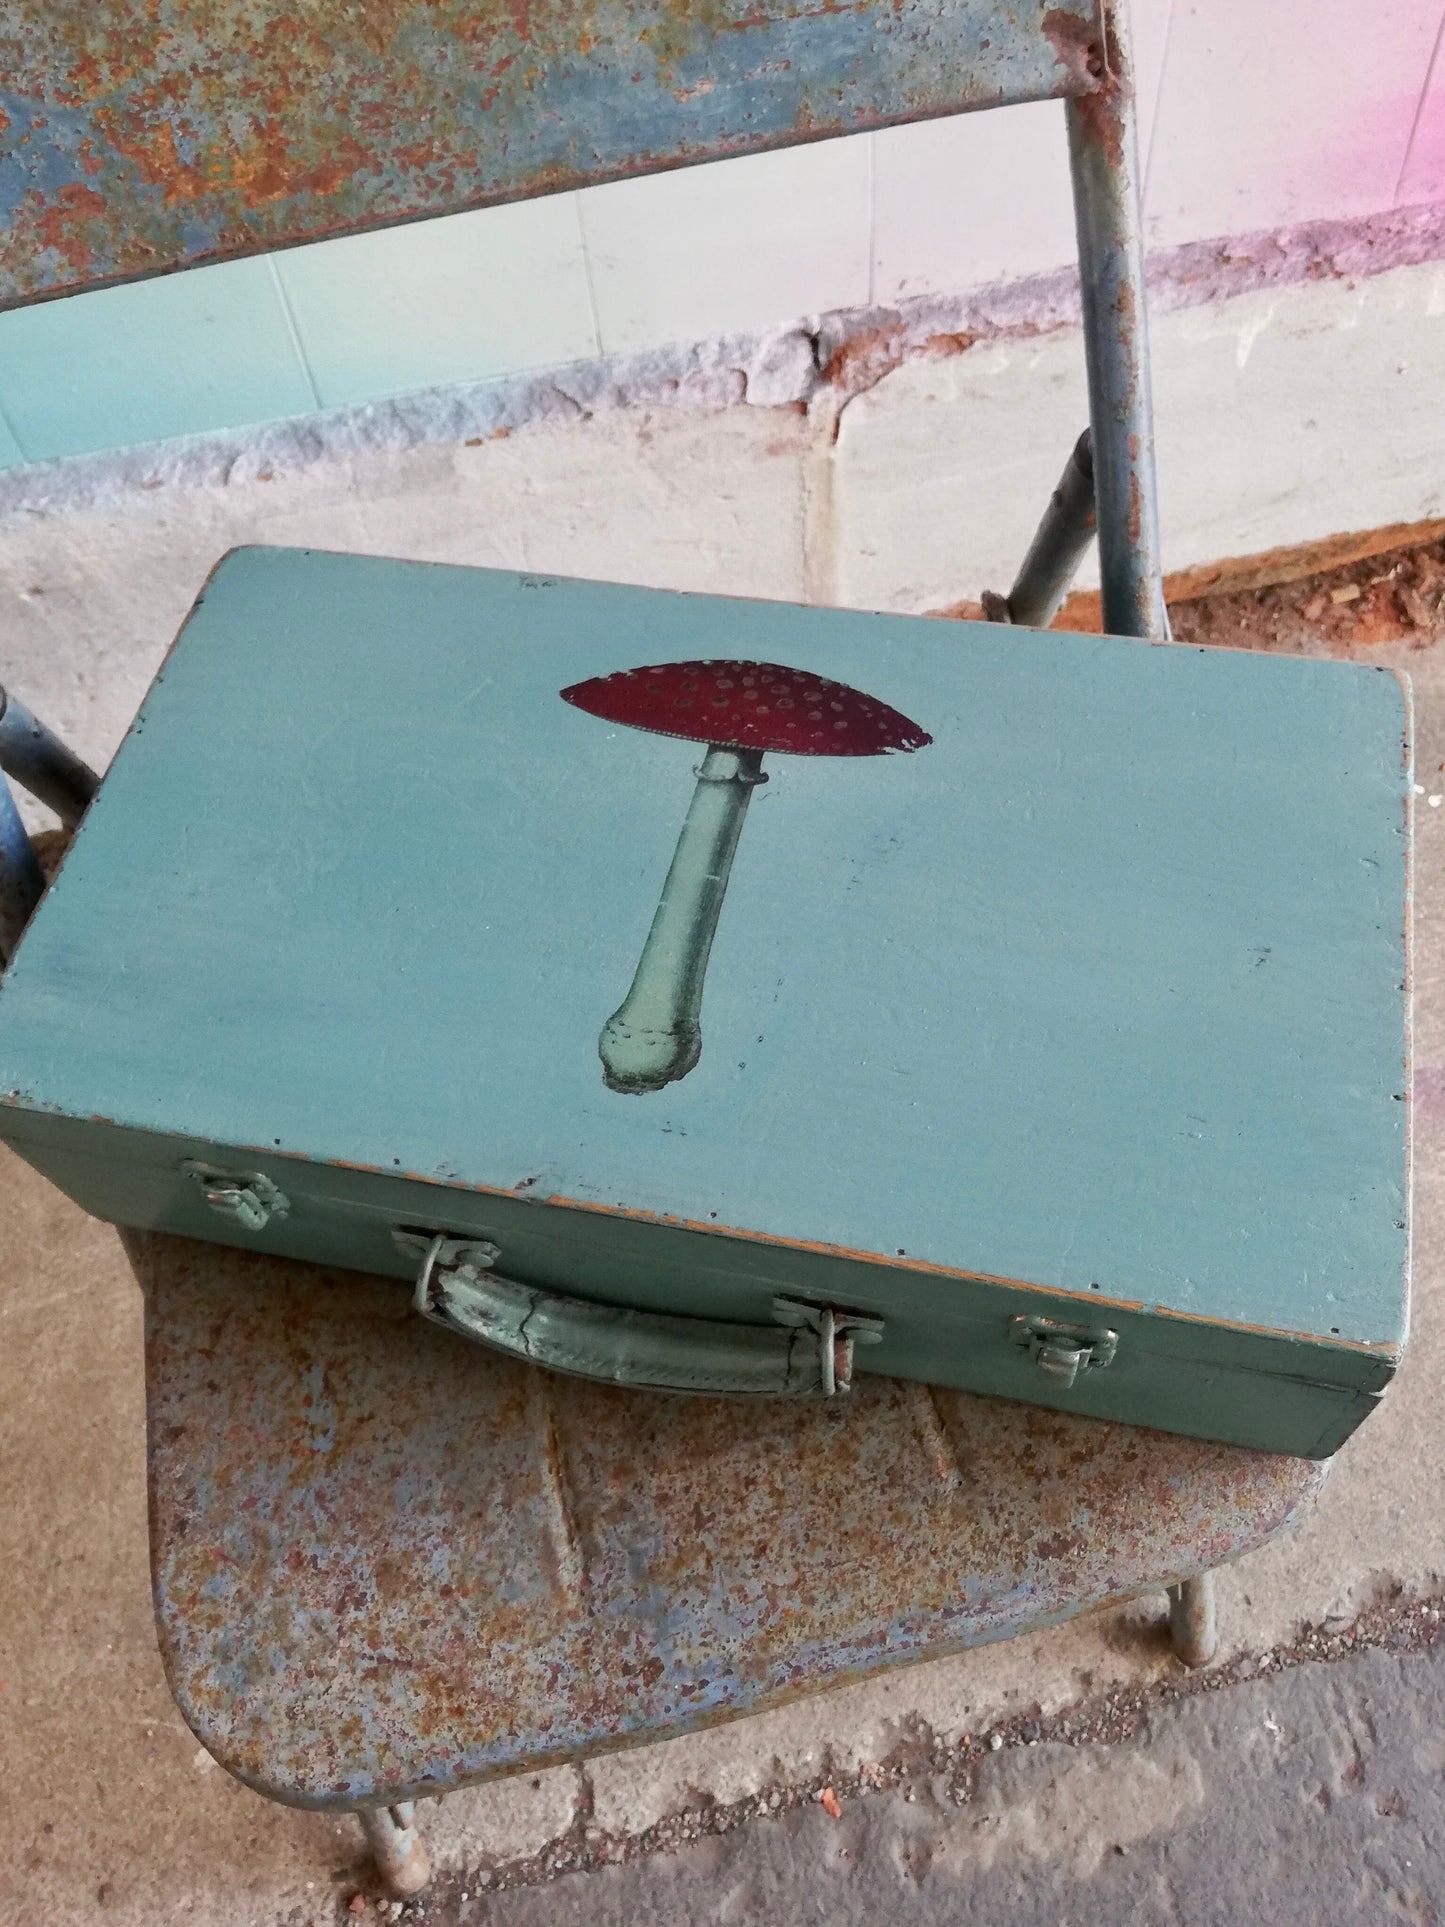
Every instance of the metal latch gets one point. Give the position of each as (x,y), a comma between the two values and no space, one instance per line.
(1061,1352)
(248,1198)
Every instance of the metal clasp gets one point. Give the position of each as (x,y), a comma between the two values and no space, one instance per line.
(1060,1351)
(248,1198)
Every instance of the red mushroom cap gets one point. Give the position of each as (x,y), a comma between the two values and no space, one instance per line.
(749,705)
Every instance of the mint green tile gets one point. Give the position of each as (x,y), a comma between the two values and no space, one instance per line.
(203,350)
(459,299)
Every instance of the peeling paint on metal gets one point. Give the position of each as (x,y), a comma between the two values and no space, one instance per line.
(143,136)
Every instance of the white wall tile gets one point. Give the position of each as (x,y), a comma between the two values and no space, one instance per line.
(985,196)
(1423,178)
(729,247)
(151,360)
(1284,416)
(457,299)
(1273,114)
(1150,20)
(959,203)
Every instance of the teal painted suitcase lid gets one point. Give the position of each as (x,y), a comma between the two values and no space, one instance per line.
(1096,983)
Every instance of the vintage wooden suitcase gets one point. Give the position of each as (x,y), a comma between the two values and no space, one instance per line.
(689,991)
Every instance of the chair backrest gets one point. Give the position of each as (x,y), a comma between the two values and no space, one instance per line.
(149,135)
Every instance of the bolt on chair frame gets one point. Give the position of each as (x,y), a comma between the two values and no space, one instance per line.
(120,178)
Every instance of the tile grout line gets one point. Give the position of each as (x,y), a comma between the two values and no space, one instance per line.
(1156,109)
(297,344)
(597,348)
(872,219)
(14,434)
(1430,67)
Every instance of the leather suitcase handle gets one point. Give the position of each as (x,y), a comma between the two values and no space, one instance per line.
(808,1354)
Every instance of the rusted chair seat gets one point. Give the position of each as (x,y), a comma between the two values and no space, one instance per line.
(387,1563)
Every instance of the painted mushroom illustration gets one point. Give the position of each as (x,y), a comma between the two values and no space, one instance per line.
(739,710)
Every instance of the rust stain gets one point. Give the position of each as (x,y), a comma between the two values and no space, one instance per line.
(1103,125)
(60,224)
(942,346)
(1097,111)
(356,1548)
(863,359)
(1078,47)
(212,132)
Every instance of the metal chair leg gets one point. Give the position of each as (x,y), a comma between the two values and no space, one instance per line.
(397,1847)
(1191,1620)
(20,880)
(1057,549)
(1104,160)
(42,764)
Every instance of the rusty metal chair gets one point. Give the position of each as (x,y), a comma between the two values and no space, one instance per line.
(385,1564)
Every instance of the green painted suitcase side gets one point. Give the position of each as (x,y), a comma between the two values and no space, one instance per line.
(1100,991)
(1204,1381)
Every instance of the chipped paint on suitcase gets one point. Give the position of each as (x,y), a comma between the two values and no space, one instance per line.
(1069,991)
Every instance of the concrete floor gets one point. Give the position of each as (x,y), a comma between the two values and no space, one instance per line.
(1317,1796)
(117,1815)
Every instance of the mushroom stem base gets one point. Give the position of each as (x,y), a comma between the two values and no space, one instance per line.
(655,1036)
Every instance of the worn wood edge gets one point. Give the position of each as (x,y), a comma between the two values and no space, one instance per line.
(17,1111)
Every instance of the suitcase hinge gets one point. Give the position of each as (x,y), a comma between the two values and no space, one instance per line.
(1061,1352)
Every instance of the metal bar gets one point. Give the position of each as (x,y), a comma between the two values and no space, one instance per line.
(1057,549)
(20,880)
(42,764)
(147,135)
(397,1847)
(1191,1620)
(1104,159)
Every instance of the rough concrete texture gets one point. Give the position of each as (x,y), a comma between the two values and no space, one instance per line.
(1315,1796)
(829,355)
(682,498)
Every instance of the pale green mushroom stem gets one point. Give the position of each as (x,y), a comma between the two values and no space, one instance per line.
(655,1036)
